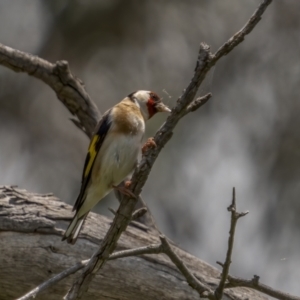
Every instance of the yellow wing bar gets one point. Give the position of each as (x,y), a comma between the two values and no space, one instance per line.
(92,151)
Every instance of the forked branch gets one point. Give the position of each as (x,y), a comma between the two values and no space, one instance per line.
(234,218)
(204,63)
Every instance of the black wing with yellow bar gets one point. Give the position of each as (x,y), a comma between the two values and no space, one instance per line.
(94,147)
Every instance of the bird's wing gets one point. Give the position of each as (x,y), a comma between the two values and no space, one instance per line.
(94,148)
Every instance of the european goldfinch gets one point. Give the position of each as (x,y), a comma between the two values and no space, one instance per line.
(113,152)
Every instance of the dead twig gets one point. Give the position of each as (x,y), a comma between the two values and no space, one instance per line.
(139,213)
(240,35)
(163,247)
(234,218)
(55,279)
(203,290)
(256,285)
(197,103)
(151,249)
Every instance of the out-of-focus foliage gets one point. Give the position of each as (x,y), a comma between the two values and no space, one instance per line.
(247,136)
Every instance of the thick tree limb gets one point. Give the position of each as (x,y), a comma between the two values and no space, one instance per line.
(31,227)
(26,218)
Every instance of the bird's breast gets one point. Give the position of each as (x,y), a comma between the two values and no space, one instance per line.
(117,158)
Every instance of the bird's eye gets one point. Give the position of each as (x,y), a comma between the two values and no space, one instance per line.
(154,97)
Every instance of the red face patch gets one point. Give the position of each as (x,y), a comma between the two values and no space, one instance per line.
(151,104)
(151,107)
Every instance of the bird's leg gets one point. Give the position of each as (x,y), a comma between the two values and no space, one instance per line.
(125,189)
(127,184)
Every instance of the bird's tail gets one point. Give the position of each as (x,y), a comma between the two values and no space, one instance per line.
(73,230)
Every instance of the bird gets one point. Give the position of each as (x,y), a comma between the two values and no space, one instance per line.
(113,153)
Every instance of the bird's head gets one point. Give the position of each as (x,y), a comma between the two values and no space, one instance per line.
(149,103)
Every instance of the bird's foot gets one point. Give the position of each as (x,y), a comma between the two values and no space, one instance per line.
(127,184)
(150,144)
(125,190)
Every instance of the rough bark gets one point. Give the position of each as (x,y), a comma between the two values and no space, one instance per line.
(31,251)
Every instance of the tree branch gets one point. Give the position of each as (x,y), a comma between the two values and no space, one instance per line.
(198,103)
(239,282)
(69,89)
(138,213)
(139,178)
(204,63)
(256,285)
(147,219)
(240,35)
(163,247)
(151,249)
(31,227)
(55,279)
(234,218)
(203,290)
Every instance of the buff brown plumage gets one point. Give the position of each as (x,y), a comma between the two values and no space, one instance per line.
(113,152)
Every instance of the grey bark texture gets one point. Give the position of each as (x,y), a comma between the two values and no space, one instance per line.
(31,251)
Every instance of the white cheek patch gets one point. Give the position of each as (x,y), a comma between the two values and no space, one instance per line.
(136,102)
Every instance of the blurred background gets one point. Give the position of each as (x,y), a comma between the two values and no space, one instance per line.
(247,135)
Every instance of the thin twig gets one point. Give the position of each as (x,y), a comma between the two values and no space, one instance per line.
(139,213)
(151,249)
(55,279)
(256,285)
(147,219)
(197,103)
(234,218)
(133,223)
(240,35)
(203,290)
(112,210)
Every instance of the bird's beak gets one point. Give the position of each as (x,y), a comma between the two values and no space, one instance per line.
(162,107)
